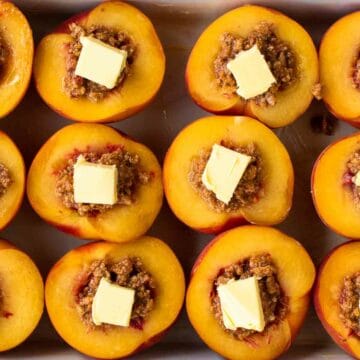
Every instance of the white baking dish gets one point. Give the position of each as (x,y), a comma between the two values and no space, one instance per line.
(179,23)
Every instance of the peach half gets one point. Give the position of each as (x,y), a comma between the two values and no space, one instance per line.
(21,296)
(138,89)
(332,188)
(67,275)
(11,200)
(341,262)
(277,174)
(17,41)
(337,60)
(120,223)
(295,274)
(290,103)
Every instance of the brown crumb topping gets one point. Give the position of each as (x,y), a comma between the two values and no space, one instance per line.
(349,303)
(356,73)
(249,188)
(131,176)
(128,272)
(3,54)
(76,86)
(274,302)
(352,168)
(316,91)
(279,56)
(5,179)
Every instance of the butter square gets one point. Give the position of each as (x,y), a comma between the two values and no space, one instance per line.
(241,305)
(251,72)
(95,183)
(356,179)
(223,171)
(112,304)
(100,62)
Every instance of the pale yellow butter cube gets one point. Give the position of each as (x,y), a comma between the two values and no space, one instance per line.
(241,305)
(251,72)
(223,171)
(100,62)
(112,304)
(356,179)
(95,183)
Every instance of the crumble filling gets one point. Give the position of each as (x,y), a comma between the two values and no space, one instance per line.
(349,303)
(356,73)
(130,177)
(5,179)
(352,168)
(249,188)
(278,55)
(78,87)
(274,303)
(129,272)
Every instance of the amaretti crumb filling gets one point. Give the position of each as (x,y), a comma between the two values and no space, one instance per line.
(130,177)
(349,303)
(278,55)
(5,179)
(77,86)
(249,188)
(355,75)
(274,302)
(3,55)
(129,272)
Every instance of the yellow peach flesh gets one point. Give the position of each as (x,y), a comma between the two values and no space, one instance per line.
(122,223)
(11,158)
(202,134)
(342,262)
(291,103)
(139,88)
(337,59)
(64,278)
(333,200)
(296,275)
(17,37)
(22,296)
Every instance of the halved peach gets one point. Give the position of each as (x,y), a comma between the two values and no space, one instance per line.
(337,60)
(68,275)
(277,174)
(147,70)
(17,40)
(295,274)
(341,262)
(11,200)
(333,197)
(21,296)
(121,223)
(290,103)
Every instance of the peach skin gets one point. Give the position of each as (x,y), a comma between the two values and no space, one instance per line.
(291,102)
(17,40)
(11,199)
(137,90)
(121,222)
(21,296)
(338,58)
(69,275)
(341,262)
(295,275)
(275,199)
(333,190)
